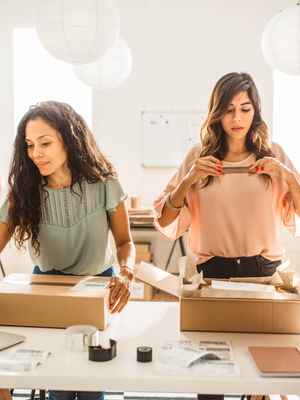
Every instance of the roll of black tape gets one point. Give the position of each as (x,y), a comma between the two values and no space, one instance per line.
(144,354)
(98,353)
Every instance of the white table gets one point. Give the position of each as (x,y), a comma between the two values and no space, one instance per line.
(144,323)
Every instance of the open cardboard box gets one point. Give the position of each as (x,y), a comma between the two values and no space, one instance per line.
(53,301)
(228,311)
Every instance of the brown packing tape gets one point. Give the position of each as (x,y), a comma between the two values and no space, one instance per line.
(236,170)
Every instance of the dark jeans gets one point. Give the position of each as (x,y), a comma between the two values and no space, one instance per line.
(36,270)
(71,395)
(67,395)
(224,268)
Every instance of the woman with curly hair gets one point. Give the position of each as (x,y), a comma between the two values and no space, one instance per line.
(233,190)
(64,198)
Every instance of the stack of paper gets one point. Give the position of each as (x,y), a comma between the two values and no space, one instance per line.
(204,358)
(23,360)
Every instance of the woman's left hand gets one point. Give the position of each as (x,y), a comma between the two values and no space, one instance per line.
(270,166)
(119,291)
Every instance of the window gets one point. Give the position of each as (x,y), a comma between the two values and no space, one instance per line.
(286,120)
(38,77)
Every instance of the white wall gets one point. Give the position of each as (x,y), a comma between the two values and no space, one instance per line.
(6,102)
(180,48)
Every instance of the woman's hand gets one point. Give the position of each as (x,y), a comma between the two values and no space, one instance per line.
(202,168)
(119,291)
(272,167)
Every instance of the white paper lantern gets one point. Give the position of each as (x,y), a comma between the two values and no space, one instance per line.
(77,31)
(110,70)
(281,41)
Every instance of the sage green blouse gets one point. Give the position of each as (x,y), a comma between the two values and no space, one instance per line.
(74,228)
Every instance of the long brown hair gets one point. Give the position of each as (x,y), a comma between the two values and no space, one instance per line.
(26,185)
(213,137)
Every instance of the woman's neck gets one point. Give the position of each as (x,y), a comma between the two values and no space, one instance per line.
(237,152)
(59,179)
(237,156)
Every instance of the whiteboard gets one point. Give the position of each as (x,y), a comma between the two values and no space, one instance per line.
(168,135)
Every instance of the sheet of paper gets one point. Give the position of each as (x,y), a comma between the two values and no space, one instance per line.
(15,287)
(31,355)
(89,287)
(22,360)
(197,358)
(256,287)
(14,366)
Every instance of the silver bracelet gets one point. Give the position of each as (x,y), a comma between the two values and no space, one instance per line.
(170,205)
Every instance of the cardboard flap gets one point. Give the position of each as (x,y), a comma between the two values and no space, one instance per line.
(66,280)
(36,279)
(158,278)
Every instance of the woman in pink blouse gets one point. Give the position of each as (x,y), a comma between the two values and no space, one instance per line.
(233,214)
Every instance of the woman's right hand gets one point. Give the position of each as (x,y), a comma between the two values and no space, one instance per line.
(202,168)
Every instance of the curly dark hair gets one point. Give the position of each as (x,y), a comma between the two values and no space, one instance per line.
(213,137)
(27,186)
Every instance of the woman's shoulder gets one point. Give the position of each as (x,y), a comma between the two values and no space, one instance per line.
(276,148)
(192,154)
(194,151)
(110,185)
(278,151)
(102,183)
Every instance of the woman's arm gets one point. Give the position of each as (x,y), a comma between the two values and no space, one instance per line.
(200,169)
(119,224)
(174,204)
(274,167)
(119,291)
(294,187)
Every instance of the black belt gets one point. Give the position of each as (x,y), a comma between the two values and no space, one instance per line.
(229,267)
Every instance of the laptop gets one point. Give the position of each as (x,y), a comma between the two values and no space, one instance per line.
(9,339)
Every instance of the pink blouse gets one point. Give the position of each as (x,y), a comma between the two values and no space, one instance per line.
(238,215)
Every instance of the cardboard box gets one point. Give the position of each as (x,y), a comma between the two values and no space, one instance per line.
(49,301)
(141,291)
(230,311)
(146,257)
(142,247)
(143,252)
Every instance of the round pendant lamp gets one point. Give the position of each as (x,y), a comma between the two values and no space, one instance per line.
(109,71)
(281,41)
(77,31)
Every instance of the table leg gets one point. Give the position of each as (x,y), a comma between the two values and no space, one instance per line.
(182,250)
